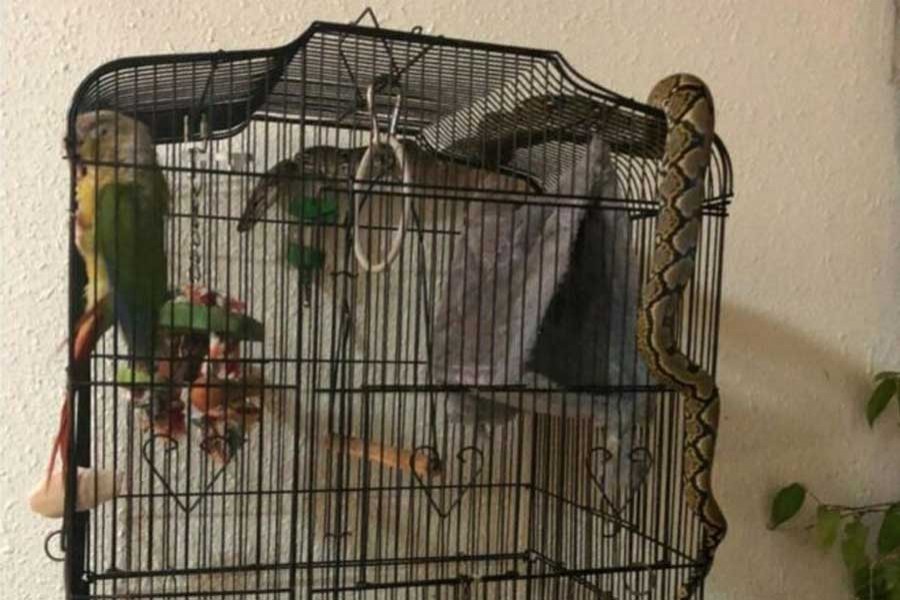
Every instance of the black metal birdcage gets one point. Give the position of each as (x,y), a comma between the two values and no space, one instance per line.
(445,393)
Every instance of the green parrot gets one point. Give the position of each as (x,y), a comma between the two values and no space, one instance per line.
(122,199)
(299,179)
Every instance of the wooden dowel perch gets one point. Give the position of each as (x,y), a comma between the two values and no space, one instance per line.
(387,456)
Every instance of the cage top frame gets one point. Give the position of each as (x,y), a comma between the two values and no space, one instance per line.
(182,98)
(83,99)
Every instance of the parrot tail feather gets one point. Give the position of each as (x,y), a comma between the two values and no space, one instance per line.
(60,444)
(87,331)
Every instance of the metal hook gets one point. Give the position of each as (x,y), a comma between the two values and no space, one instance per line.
(62,545)
(370,102)
(395,115)
(204,132)
(373,115)
(196,188)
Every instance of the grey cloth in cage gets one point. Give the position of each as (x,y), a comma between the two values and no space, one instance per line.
(543,296)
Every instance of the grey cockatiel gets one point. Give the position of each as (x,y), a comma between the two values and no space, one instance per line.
(298,178)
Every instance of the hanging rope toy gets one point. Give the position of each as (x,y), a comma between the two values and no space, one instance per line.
(363,184)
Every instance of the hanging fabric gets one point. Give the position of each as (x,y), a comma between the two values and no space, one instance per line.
(528,295)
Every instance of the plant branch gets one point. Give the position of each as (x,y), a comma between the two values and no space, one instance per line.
(859,511)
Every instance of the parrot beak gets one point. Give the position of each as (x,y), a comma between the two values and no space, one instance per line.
(68,148)
(71,154)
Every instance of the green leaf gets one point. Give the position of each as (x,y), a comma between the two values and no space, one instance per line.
(853,550)
(880,398)
(890,572)
(787,503)
(876,587)
(853,547)
(828,521)
(887,375)
(889,534)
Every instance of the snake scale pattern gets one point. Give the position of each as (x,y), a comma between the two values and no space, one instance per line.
(688,108)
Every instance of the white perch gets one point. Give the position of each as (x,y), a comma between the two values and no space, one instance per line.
(94,488)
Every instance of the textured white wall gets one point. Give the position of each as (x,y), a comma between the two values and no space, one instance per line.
(812,299)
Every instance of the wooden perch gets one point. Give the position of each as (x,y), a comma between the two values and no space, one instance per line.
(386,456)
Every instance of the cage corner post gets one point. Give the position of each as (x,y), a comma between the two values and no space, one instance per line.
(75,523)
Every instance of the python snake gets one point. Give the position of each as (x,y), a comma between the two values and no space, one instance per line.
(688,108)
